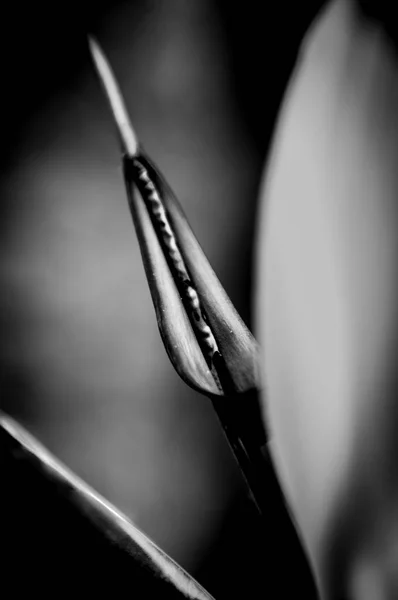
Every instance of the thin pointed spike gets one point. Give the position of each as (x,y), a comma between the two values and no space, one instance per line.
(126,132)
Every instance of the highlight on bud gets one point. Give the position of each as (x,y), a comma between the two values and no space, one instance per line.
(206,340)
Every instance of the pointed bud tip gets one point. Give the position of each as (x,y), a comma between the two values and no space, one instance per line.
(126,132)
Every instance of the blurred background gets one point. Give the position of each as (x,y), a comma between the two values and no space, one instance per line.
(81,361)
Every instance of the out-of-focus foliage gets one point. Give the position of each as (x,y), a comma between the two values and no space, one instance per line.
(327,304)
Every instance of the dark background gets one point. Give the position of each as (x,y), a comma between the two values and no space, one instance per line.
(44,57)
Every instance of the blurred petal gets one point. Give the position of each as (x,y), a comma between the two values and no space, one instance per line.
(327,305)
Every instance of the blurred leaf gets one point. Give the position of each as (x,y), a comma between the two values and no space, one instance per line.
(60,535)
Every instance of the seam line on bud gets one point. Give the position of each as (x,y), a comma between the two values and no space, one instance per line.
(151,196)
